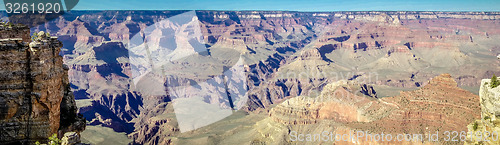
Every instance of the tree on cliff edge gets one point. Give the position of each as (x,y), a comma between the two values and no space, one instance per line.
(494,81)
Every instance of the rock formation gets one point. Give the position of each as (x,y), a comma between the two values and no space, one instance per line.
(486,129)
(70,138)
(35,98)
(438,106)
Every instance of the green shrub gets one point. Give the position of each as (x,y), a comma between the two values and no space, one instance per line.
(494,82)
(53,140)
(475,125)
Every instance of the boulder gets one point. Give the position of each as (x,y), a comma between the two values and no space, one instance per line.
(70,138)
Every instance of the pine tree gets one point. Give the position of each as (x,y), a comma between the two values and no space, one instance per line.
(494,81)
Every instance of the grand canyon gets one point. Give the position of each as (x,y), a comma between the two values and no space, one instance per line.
(253,77)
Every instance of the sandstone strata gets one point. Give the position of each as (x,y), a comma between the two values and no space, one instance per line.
(438,106)
(35,99)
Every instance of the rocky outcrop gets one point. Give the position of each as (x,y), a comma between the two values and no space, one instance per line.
(488,126)
(490,103)
(439,105)
(35,98)
(70,138)
(342,101)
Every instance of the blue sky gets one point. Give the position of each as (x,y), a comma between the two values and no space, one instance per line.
(292,5)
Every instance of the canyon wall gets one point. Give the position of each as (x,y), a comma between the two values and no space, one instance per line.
(287,54)
(438,106)
(35,100)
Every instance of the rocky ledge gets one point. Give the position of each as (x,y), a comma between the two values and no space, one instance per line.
(35,97)
(486,129)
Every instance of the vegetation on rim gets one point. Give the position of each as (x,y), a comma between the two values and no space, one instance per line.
(494,82)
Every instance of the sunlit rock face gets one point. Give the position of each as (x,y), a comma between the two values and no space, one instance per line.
(490,99)
(35,98)
(342,109)
(484,130)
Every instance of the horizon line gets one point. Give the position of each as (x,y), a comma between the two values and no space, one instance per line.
(284,10)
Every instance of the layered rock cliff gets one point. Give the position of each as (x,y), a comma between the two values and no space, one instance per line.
(438,106)
(35,99)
